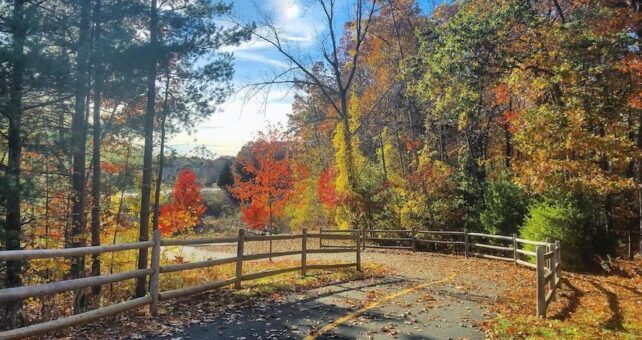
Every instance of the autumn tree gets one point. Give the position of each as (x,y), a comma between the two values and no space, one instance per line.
(341,51)
(268,180)
(187,206)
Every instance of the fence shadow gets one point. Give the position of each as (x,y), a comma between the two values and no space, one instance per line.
(573,301)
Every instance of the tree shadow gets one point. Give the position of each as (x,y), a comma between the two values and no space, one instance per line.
(630,289)
(615,321)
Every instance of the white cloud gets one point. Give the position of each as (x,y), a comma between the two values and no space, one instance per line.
(253,44)
(260,58)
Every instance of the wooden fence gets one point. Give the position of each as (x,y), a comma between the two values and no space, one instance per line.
(546,255)
(156,269)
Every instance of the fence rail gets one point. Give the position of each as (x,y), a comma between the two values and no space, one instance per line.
(547,255)
(547,265)
(155,270)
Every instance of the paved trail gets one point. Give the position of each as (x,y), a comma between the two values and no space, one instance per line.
(424,300)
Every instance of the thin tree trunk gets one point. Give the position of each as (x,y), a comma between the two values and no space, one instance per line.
(118,214)
(96,177)
(639,178)
(141,282)
(347,134)
(383,158)
(13,191)
(637,9)
(78,146)
(161,155)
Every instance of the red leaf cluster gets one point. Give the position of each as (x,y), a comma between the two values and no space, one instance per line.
(326,189)
(187,205)
(266,192)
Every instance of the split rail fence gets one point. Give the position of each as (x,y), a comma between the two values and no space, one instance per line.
(547,255)
(156,269)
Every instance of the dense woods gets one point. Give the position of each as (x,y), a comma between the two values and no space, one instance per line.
(81,84)
(497,116)
(501,116)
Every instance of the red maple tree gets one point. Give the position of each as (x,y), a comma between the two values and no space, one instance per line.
(326,188)
(187,206)
(268,183)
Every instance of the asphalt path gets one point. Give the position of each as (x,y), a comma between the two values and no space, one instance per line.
(423,301)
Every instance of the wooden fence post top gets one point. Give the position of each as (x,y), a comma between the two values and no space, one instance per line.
(540,251)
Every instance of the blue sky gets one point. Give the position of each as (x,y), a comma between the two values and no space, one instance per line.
(301,22)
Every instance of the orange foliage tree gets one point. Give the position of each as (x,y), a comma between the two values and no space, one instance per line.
(267,183)
(186,208)
(326,188)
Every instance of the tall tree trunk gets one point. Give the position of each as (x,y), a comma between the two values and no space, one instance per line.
(383,157)
(13,190)
(95,184)
(161,154)
(141,282)
(639,145)
(79,139)
(347,139)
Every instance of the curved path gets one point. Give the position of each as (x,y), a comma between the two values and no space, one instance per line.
(428,297)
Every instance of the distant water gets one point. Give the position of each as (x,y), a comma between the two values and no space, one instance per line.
(169,192)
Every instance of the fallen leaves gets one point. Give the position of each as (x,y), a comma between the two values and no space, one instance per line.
(587,306)
(175,315)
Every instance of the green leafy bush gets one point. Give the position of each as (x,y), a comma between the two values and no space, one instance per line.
(506,208)
(576,223)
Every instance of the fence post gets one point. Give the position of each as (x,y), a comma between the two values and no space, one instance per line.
(414,241)
(541,296)
(154,279)
(321,238)
(465,242)
(558,262)
(268,235)
(239,258)
(550,263)
(363,238)
(304,260)
(515,249)
(358,249)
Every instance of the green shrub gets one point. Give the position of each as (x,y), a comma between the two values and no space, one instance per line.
(506,208)
(577,223)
